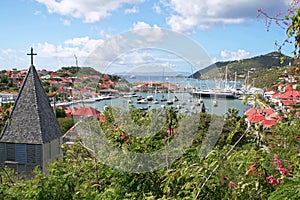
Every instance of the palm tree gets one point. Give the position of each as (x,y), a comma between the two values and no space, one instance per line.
(172,119)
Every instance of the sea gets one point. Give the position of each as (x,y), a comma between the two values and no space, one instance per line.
(186,102)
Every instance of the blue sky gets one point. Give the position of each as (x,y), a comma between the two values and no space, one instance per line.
(58,30)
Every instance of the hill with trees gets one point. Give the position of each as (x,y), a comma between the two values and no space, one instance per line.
(241,67)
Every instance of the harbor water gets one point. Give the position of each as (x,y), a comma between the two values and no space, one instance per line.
(185,103)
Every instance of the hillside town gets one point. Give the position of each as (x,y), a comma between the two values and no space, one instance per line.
(279,100)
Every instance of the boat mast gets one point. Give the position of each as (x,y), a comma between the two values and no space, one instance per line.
(235,76)
(226,81)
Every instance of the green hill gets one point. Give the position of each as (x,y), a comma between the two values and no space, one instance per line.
(242,67)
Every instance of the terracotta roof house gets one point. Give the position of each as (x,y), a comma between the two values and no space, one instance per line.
(267,117)
(31,136)
(87,112)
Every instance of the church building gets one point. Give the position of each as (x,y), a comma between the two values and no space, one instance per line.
(31,136)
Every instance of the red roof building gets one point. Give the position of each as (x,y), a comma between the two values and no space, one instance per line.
(267,117)
(87,111)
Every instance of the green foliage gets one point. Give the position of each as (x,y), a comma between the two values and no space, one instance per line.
(65,124)
(289,190)
(266,78)
(60,113)
(234,169)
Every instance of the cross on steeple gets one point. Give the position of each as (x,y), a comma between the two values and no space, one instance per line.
(31,54)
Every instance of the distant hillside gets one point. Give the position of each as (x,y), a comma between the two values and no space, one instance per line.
(241,67)
(87,71)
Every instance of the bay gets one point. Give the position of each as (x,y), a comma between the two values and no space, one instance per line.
(186,102)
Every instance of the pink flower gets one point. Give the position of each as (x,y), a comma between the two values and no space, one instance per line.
(272,180)
(282,170)
(277,14)
(232,184)
(123,136)
(277,162)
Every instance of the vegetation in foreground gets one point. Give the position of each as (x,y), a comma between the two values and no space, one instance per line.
(246,162)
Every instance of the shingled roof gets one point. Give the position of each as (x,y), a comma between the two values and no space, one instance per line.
(32,120)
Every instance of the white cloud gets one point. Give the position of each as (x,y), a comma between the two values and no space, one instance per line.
(90,10)
(82,47)
(10,58)
(186,16)
(7,51)
(150,33)
(157,8)
(132,10)
(234,55)
(104,34)
(135,58)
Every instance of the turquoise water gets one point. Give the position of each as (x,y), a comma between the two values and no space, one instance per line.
(187,102)
(184,98)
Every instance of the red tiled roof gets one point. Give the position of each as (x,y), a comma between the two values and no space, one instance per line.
(291,94)
(267,111)
(61,90)
(266,116)
(250,111)
(255,118)
(275,116)
(288,88)
(86,111)
(288,102)
(269,123)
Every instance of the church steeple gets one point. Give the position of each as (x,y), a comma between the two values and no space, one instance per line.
(31,135)
(32,120)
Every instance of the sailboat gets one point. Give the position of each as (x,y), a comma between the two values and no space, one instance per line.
(155,100)
(169,101)
(163,98)
(215,102)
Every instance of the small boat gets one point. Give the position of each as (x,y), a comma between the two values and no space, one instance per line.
(142,101)
(179,106)
(163,98)
(139,98)
(215,103)
(198,103)
(143,108)
(155,101)
(170,102)
(150,97)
